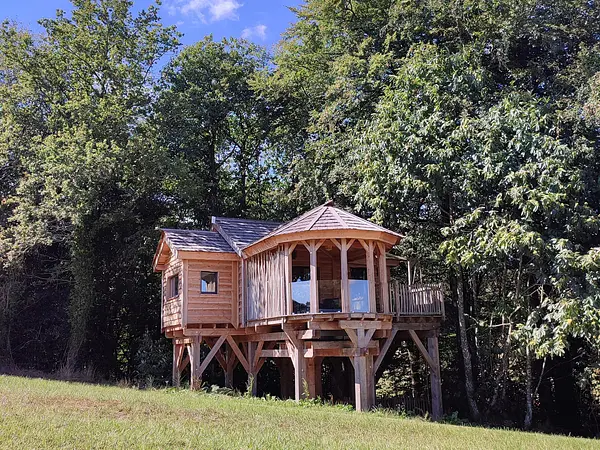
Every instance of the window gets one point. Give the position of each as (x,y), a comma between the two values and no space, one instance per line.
(300,273)
(173,286)
(358,273)
(208,282)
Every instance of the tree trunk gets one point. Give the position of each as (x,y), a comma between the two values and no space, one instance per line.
(81,297)
(466,352)
(528,392)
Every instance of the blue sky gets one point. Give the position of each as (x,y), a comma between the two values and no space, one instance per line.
(261,21)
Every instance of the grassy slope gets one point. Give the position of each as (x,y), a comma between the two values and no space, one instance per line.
(48,414)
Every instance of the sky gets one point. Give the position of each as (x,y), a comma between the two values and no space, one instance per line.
(261,21)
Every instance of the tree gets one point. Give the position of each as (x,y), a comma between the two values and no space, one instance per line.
(84,170)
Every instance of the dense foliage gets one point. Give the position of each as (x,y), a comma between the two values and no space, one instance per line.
(470,126)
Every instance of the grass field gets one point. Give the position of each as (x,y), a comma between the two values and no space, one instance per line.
(38,413)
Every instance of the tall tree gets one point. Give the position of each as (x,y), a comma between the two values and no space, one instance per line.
(84,172)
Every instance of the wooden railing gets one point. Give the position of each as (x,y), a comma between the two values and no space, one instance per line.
(419,299)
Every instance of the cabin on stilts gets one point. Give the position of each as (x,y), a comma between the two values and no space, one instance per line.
(316,287)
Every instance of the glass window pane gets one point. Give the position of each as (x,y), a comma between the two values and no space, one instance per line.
(208,282)
(359,295)
(301,297)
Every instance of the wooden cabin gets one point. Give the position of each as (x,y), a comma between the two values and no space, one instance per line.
(316,287)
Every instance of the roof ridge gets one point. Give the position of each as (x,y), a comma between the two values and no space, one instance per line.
(246,220)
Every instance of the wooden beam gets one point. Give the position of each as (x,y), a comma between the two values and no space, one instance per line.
(384,349)
(351,332)
(365,324)
(240,356)
(275,353)
(423,350)
(210,355)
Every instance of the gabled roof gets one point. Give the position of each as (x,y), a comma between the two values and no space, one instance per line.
(173,240)
(240,233)
(196,241)
(326,217)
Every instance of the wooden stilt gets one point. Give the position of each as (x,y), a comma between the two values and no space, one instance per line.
(364,385)
(436,382)
(313,377)
(196,375)
(231,361)
(253,355)
(286,377)
(296,351)
(177,359)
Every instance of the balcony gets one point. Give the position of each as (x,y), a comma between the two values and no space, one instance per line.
(406,300)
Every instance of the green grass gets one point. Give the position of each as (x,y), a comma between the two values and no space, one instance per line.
(38,413)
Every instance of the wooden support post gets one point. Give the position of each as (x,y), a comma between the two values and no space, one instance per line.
(345,287)
(240,356)
(314,287)
(313,377)
(370,259)
(177,359)
(230,360)
(196,375)
(364,382)
(288,279)
(286,377)
(436,382)
(383,279)
(296,350)
(253,356)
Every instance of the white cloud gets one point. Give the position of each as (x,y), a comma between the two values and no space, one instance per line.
(259,31)
(215,9)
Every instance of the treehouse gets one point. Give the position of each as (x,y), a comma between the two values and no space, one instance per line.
(319,286)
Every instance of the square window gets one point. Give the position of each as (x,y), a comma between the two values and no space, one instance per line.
(173,286)
(208,282)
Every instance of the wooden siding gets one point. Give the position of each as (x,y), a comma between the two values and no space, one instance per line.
(266,284)
(172,307)
(211,308)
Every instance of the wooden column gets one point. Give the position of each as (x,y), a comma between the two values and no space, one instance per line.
(345,287)
(369,249)
(253,355)
(314,288)
(383,279)
(194,352)
(296,351)
(436,382)
(364,383)
(286,377)
(230,361)
(313,377)
(177,358)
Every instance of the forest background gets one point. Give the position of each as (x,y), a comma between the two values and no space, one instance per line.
(470,126)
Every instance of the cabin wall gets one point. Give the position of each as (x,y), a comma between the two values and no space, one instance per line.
(172,307)
(219,308)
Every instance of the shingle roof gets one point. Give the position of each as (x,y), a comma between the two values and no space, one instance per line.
(326,217)
(196,240)
(243,232)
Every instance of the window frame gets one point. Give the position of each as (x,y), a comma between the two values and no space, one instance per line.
(170,285)
(216,291)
